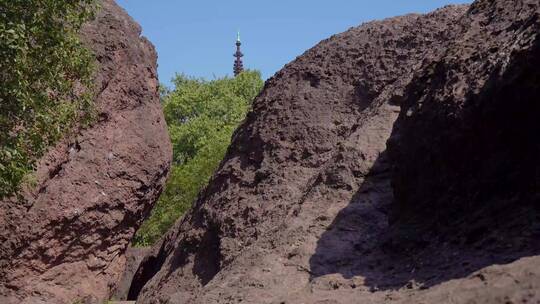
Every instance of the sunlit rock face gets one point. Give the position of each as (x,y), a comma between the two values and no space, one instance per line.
(395,162)
(65,241)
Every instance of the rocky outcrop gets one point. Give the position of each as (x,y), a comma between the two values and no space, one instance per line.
(64,242)
(477,105)
(310,207)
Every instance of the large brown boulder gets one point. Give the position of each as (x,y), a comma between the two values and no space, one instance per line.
(466,142)
(64,242)
(302,209)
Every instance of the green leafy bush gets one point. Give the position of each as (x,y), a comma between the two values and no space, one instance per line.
(45,76)
(201,117)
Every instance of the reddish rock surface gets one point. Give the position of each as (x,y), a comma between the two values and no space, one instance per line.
(65,241)
(310,207)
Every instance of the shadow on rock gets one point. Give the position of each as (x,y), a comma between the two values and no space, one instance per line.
(465,175)
(361,243)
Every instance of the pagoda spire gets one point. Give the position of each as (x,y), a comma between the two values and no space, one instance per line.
(238,64)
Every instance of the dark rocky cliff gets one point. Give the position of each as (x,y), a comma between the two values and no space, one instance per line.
(65,241)
(310,207)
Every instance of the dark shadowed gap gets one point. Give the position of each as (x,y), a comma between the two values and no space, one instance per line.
(149,266)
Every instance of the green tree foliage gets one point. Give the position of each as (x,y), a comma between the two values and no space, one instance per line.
(45,76)
(201,117)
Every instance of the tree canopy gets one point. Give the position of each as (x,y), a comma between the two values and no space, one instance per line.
(201,117)
(45,74)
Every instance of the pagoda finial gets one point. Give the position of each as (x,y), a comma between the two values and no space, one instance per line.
(238,64)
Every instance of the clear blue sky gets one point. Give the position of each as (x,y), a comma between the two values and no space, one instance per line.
(197,37)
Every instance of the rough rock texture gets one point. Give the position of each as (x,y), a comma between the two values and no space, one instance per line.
(309,207)
(478,105)
(65,241)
